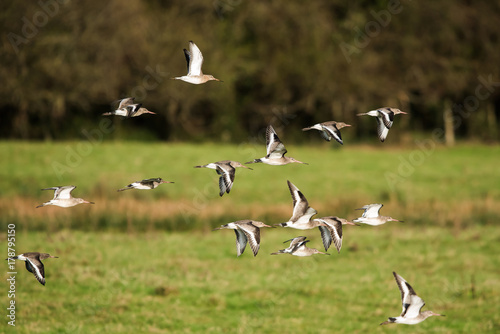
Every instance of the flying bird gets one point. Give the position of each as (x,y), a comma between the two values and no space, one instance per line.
(226,169)
(63,198)
(194,60)
(127,108)
(275,151)
(331,230)
(298,248)
(302,212)
(372,217)
(247,231)
(329,130)
(385,118)
(145,184)
(34,263)
(412,305)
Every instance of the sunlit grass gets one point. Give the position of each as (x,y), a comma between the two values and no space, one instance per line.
(147,261)
(193,282)
(443,186)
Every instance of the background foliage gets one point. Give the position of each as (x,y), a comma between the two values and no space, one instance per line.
(310,61)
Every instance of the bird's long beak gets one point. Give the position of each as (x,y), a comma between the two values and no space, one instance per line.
(396,220)
(246,166)
(402,112)
(439,315)
(347,125)
(350,223)
(163,181)
(88,202)
(150,112)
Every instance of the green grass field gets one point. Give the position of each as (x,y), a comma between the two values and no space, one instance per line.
(147,261)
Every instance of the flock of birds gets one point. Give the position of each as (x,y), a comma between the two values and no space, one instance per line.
(248,231)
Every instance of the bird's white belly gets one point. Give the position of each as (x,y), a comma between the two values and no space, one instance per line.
(64,203)
(140,186)
(191,79)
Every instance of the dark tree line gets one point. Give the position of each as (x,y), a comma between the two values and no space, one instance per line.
(64,62)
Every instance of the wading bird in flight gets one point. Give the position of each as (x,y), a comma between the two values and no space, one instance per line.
(412,305)
(247,231)
(298,248)
(63,198)
(329,130)
(145,184)
(194,60)
(385,117)
(127,108)
(34,263)
(372,217)
(331,230)
(275,151)
(226,169)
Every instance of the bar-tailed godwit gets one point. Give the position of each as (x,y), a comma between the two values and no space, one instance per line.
(385,117)
(127,108)
(63,198)
(298,248)
(226,169)
(329,130)
(371,216)
(194,60)
(275,151)
(145,184)
(412,305)
(34,263)
(247,231)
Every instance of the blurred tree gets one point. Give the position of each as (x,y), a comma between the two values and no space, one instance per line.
(286,63)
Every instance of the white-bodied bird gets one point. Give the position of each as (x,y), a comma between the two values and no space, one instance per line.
(412,305)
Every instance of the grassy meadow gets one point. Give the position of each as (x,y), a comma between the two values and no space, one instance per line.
(147,261)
